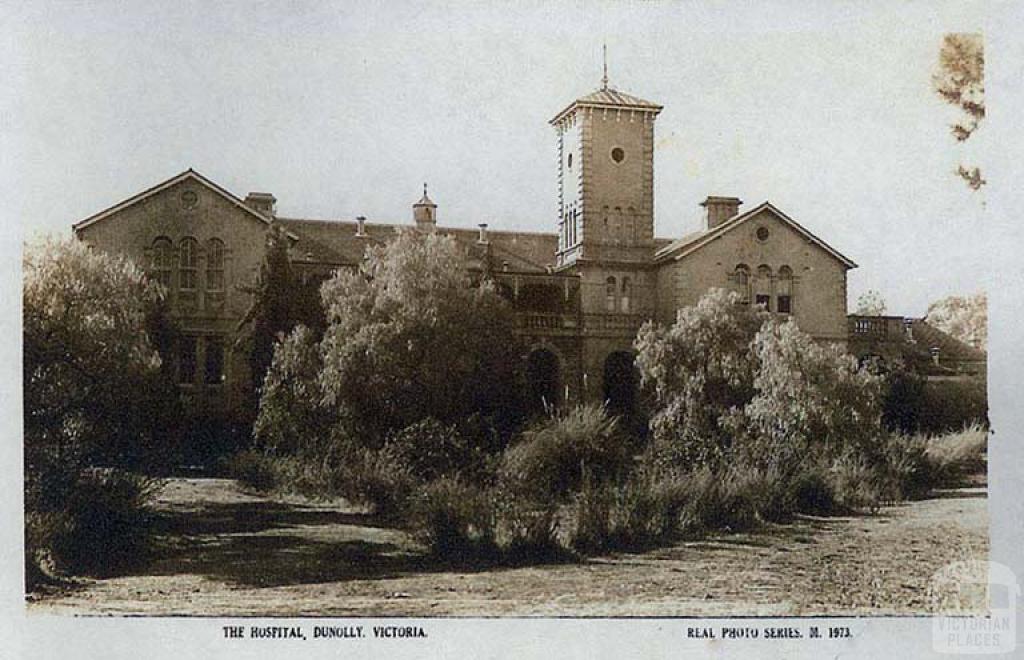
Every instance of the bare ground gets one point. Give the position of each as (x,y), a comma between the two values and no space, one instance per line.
(225,552)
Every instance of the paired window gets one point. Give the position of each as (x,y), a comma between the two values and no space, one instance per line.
(741,282)
(162,259)
(784,291)
(610,293)
(188,360)
(627,294)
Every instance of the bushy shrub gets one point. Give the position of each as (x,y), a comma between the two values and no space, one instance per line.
(526,530)
(255,469)
(952,457)
(377,477)
(103,526)
(809,398)
(698,371)
(431,450)
(859,485)
(551,457)
(948,406)
(453,518)
(291,417)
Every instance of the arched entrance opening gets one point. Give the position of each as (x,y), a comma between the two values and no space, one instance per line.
(542,380)
(620,384)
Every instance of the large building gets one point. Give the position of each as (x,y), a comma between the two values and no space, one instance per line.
(580,291)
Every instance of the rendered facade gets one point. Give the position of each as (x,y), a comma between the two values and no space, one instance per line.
(580,291)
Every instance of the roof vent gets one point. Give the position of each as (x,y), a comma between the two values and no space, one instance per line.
(361,226)
(483,233)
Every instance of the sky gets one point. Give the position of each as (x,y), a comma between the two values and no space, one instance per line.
(345,109)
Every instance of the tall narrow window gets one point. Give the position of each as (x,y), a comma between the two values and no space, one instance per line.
(763,286)
(610,294)
(784,291)
(627,295)
(187,360)
(187,258)
(215,264)
(160,261)
(214,371)
(741,282)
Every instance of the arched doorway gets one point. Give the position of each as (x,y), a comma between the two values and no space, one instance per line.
(542,380)
(620,384)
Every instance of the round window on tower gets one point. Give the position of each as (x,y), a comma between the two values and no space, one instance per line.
(618,155)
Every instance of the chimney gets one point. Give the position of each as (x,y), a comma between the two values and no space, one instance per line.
(719,209)
(262,202)
(361,226)
(483,233)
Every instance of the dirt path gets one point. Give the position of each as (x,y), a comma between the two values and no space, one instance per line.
(228,553)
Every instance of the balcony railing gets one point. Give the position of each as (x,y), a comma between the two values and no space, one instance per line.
(631,322)
(543,321)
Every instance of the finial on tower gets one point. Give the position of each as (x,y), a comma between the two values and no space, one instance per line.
(604,80)
(424,188)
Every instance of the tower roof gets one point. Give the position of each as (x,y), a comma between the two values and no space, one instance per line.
(606,97)
(425,201)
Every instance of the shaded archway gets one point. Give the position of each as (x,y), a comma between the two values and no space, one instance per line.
(542,380)
(620,384)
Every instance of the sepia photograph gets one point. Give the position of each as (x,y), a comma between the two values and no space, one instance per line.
(340,321)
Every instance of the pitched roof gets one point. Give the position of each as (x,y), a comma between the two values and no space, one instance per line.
(160,187)
(950,348)
(609,98)
(335,242)
(694,241)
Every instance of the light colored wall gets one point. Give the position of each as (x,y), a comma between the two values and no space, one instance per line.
(819,287)
(131,233)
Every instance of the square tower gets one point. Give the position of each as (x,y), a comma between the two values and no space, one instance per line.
(605,147)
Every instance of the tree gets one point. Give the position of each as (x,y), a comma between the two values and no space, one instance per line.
(410,334)
(807,393)
(93,386)
(699,371)
(279,303)
(870,303)
(963,317)
(960,81)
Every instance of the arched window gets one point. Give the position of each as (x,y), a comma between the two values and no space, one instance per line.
(784,291)
(160,261)
(187,255)
(610,294)
(618,230)
(741,282)
(763,287)
(627,294)
(215,265)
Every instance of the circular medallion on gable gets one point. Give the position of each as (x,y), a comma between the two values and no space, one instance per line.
(762,234)
(618,155)
(189,199)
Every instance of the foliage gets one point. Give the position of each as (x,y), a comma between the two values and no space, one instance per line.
(963,317)
(93,385)
(291,415)
(433,450)
(410,335)
(953,457)
(870,303)
(280,301)
(455,519)
(949,405)
(255,470)
(960,81)
(699,370)
(903,396)
(102,527)
(552,456)
(806,394)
